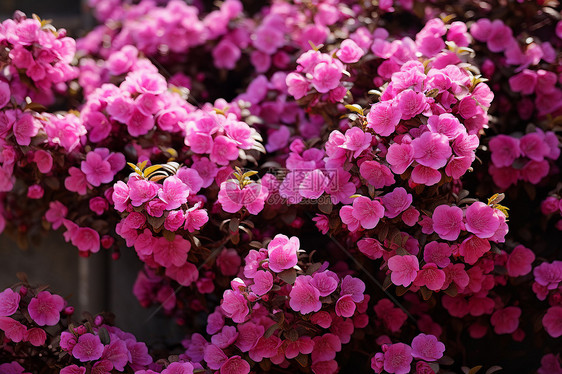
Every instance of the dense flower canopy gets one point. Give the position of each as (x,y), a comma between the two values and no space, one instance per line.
(312,186)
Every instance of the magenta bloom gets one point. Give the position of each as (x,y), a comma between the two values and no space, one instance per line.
(174,193)
(9,302)
(552,321)
(505,149)
(447,222)
(326,76)
(400,157)
(345,306)
(473,248)
(282,252)
(368,212)
(167,253)
(519,261)
(404,269)
(13,330)
(349,52)
(263,281)
(383,117)
(235,365)
(88,348)
(396,202)
(506,320)
(437,253)
(235,306)
(431,277)
(325,282)
(481,220)
(86,239)
(304,297)
(427,347)
(376,174)
(96,169)
(356,141)
(548,275)
(397,358)
(45,308)
(432,150)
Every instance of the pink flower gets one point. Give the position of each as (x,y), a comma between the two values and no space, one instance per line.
(431,277)
(404,269)
(173,252)
(505,149)
(263,282)
(77,182)
(9,302)
(356,141)
(96,169)
(36,336)
(397,358)
(226,54)
(446,124)
(376,174)
(4,94)
(371,248)
(400,157)
(523,82)
(533,146)
(88,348)
(396,202)
(325,282)
(86,239)
(548,275)
(427,347)
(432,150)
(437,253)
(519,261)
(349,52)
(392,317)
(195,219)
(44,161)
(297,85)
(25,128)
(224,150)
(326,76)
(45,308)
(411,103)
(116,354)
(383,117)
(552,321)
(425,175)
(304,297)
(235,365)
(325,347)
(13,330)
(473,248)
(368,212)
(174,193)
(506,321)
(345,306)
(481,220)
(235,306)
(283,252)
(141,191)
(354,287)
(98,205)
(447,222)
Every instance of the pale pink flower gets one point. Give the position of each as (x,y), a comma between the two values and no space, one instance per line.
(446,124)
(25,128)
(297,85)
(224,150)
(404,269)
(356,140)
(427,347)
(411,103)
(45,308)
(96,169)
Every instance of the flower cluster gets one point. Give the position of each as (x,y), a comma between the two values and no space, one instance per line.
(522,158)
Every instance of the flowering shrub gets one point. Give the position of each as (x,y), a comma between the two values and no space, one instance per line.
(311,186)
